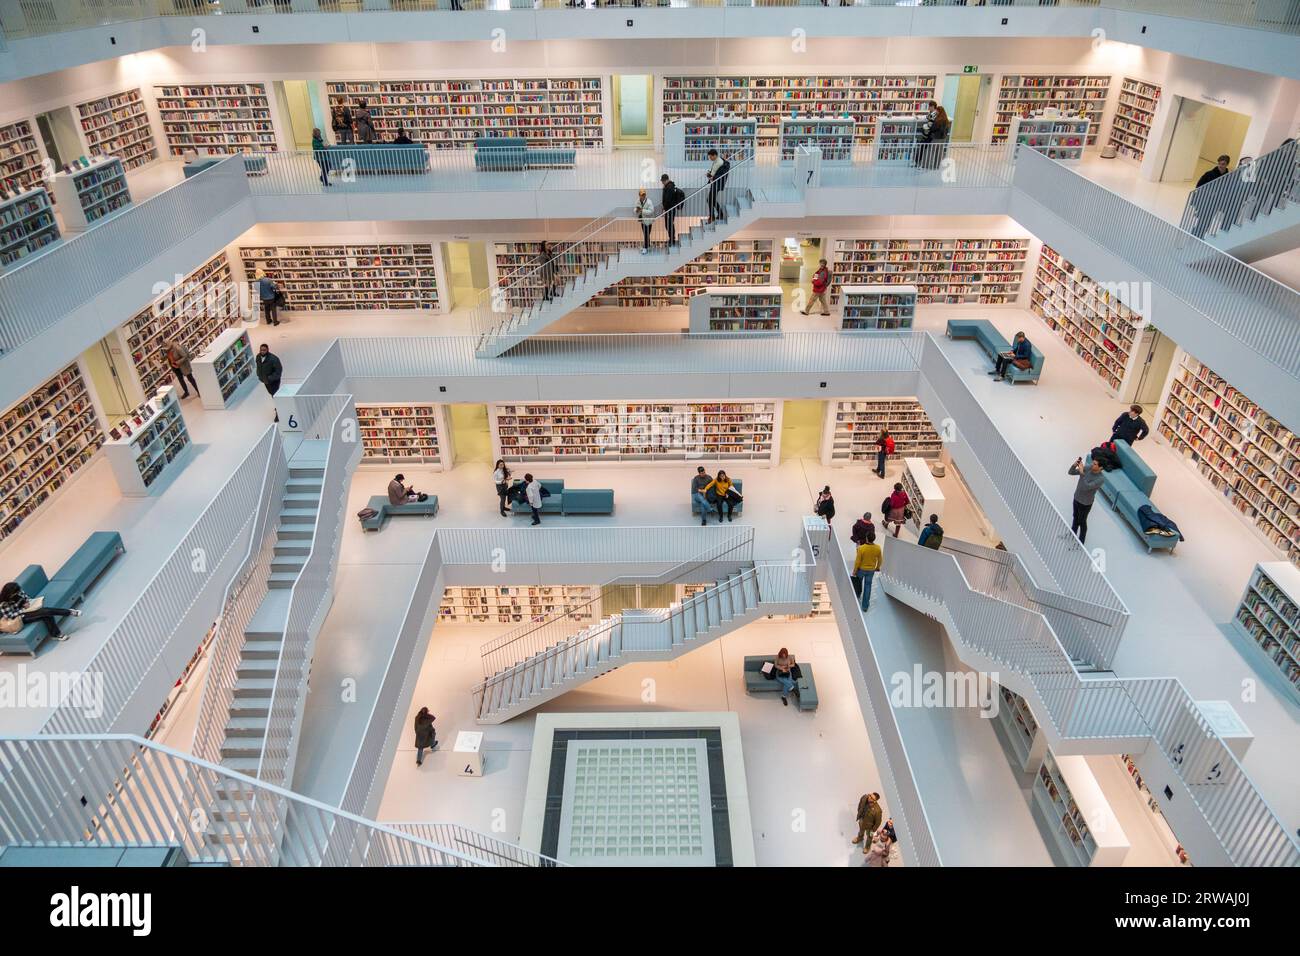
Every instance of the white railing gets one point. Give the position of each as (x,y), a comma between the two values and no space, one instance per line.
(558,545)
(243,596)
(1246,194)
(487,850)
(138,662)
(37,293)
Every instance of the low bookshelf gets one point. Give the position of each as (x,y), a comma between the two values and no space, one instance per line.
(877,307)
(225,368)
(926,496)
(148,443)
(1052,133)
(27,225)
(88,194)
(833,135)
(687,141)
(896,139)
(1023,94)
(732,309)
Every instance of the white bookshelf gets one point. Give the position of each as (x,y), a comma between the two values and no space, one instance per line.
(27,225)
(193,313)
(639,432)
(1269,617)
(1134,115)
(150,442)
(853,425)
(402,433)
(732,309)
(833,135)
(519,605)
(767,99)
(1076,94)
(1053,134)
(452,113)
(349,278)
(1248,456)
(20,156)
(1091,320)
(224,369)
(216,118)
(1161,825)
(926,497)
(1020,730)
(89,194)
(944,271)
(1074,810)
(118,125)
(687,141)
(896,139)
(877,306)
(45,438)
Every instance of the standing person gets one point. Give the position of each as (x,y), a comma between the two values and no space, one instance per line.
(501,476)
(785,676)
(341,121)
(699,485)
(932,534)
(16,612)
(426,738)
(178,360)
(824,507)
(645,214)
(898,502)
(1203,206)
(269,371)
(1085,492)
(866,562)
(868,816)
(402,139)
(533,495)
(268,293)
(821,281)
(318,153)
(672,198)
(880,848)
(934,131)
(862,528)
(364,122)
(884,448)
(1021,356)
(1130,426)
(545,263)
(723,492)
(717,177)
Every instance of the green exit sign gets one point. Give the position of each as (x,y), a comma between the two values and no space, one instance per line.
(970,69)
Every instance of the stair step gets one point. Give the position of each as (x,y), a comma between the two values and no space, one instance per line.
(242,747)
(246,727)
(282,579)
(245,765)
(257,687)
(303,486)
(292,550)
(301,499)
(295,532)
(713,607)
(250,706)
(750,582)
(298,516)
(306,471)
(289,563)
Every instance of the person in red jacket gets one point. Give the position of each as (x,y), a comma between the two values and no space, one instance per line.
(821,281)
(898,502)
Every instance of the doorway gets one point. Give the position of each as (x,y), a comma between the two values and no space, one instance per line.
(1197,135)
(799,255)
(633,109)
(801,429)
(114,384)
(60,136)
(466,270)
(469,433)
(1155,354)
(965,96)
(298,104)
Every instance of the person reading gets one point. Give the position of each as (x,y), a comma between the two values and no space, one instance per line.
(1021,356)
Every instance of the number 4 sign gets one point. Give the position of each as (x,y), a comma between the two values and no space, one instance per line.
(468,753)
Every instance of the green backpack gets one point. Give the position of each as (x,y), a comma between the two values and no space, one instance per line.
(935,538)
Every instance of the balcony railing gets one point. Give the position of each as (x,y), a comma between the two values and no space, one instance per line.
(1245,195)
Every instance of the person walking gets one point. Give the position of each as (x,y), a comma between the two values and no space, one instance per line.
(179,361)
(501,477)
(868,817)
(824,507)
(717,177)
(545,265)
(884,448)
(898,502)
(645,215)
(426,738)
(862,528)
(268,294)
(1130,426)
(821,281)
(1203,206)
(318,153)
(269,371)
(17,610)
(671,200)
(866,562)
(1091,478)
(533,495)
(364,122)
(699,486)
(932,534)
(723,492)
(341,121)
(1021,356)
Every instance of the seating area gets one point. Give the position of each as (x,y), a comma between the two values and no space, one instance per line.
(385,510)
(377,158)
(566,501)
(993,342)
(512,154)
(739,485)
(67,588)
(1128,489)
(757,683)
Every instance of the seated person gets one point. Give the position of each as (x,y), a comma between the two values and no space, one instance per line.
(1021,356)
(786,675)
(401,494)
(721,490)
(401,136)
(699,485)
(16,606)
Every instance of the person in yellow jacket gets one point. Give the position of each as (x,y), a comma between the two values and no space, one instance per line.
(722,491)
(865,565)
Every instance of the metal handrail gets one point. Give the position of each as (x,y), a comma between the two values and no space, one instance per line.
(1250,191)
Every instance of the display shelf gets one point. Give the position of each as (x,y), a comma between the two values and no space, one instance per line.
(832,135)
(118,125)
(44,439)
(1053,134)
(400,433)
(853,425)
(944,271)
(192,314)
(88,194)
(27,225)
(148,443)
(519,605)
(897,137)
(216,117)
(1269,616)
(451,114)
(926,498)
(349,278)
(1248,456)
(728,309)
(1134,114)
(1020,729)
(1076,95)
(769,99)
(226,366)
(635,431)
(21,161)
(1092,321)
(687,142)
(732,262)
(1074,810)
(1161,825)
(877,306)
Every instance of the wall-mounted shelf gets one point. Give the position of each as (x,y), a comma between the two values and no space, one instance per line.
(216,118)
(731,309)
(1020,95)
(89,194)
(224,369)
(1134,115)
(118,125)
(853,425)
(1269,617)
(349,278)
(27,225)
(519,605)
(877,306)
(687,142)
(944,271)
(20,156)
(151,441)
(406,433)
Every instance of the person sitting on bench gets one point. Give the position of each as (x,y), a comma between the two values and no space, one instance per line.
(400,494)
(16,606)
(721,491)
(1021,356)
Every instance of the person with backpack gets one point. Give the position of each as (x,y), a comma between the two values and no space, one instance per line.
(1085,492)
(884,448)
(821,281)
(645,215)
(862,528)
(341,121)
(1130,426)
(717,177)
(825,505)
(895,507)
(931,534)
(672,199)
(546,270)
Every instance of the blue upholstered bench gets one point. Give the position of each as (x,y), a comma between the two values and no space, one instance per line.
(67,588)
(756,683)
(512,153)
(550,505)
(376,158)
(994,343)
(381,504)
(1128,489)
(739,485)
(568,501)
(253,165)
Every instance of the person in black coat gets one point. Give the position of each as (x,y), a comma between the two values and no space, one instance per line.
(672,198)
(426,738)
(1130,426)
(269,370)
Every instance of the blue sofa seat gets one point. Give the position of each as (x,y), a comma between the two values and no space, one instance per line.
(739,484)
(550,506)
(67,588)
(994,343)
(587,501)
(756,683)
(376,158)
(428,508)
(1128,504)
(1128,489)
(512,154)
